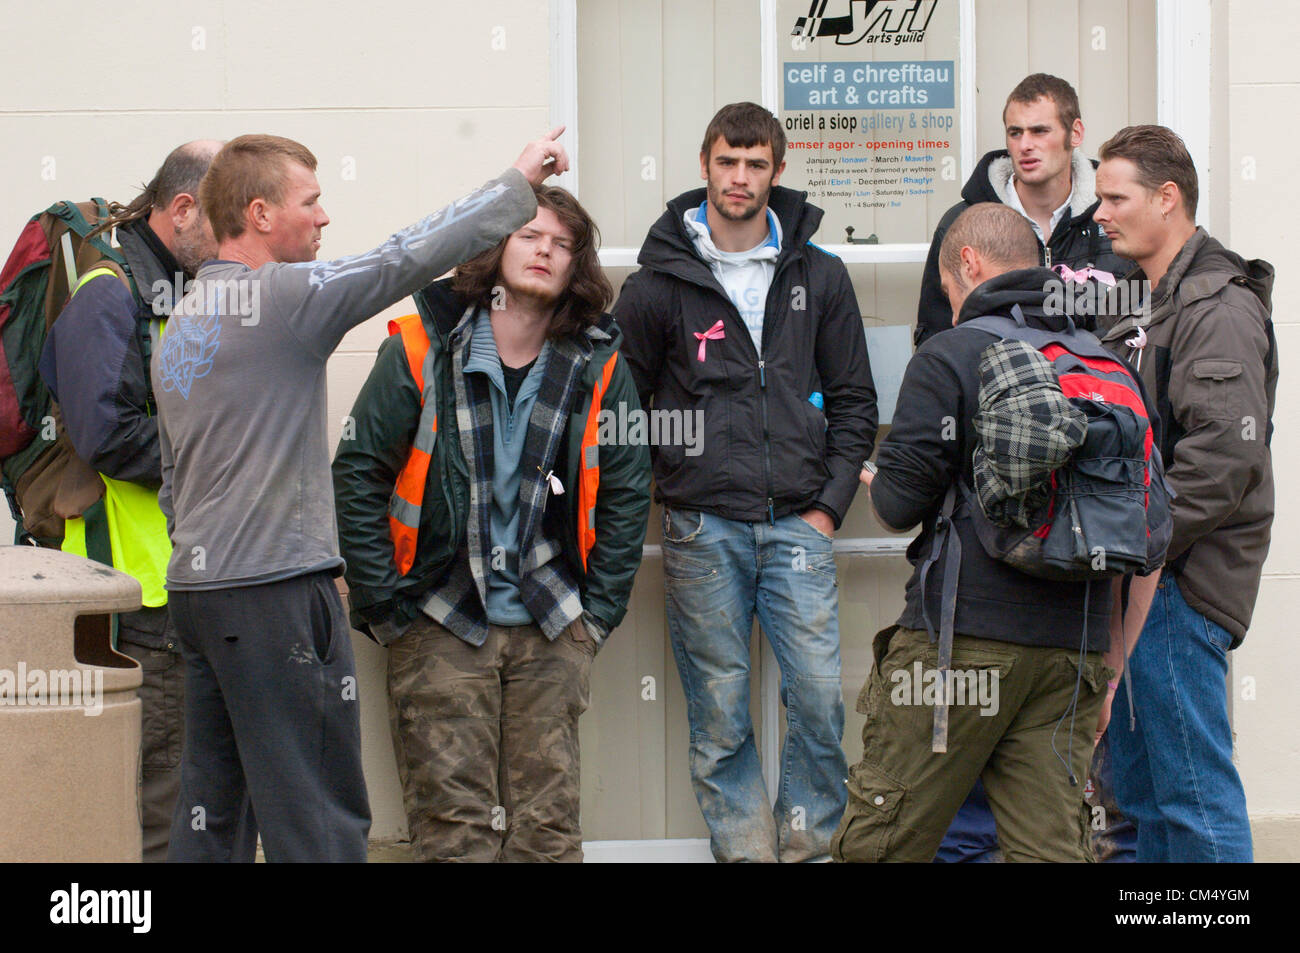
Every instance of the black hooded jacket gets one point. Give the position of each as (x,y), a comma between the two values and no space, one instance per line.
(766,449)
(1077,240)
(930,444)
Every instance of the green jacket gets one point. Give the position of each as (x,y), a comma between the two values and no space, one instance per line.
(1210,363)
(375,445)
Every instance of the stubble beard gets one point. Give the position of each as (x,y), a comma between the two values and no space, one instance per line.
(717,199)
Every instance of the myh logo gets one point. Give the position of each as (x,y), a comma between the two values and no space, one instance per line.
(875,21)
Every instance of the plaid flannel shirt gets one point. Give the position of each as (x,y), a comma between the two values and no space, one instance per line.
(546,584)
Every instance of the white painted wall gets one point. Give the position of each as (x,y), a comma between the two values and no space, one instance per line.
(1263,97)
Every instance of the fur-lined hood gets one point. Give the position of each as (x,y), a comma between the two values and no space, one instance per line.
(991,182)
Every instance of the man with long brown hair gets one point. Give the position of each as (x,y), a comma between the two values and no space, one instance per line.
(491,536)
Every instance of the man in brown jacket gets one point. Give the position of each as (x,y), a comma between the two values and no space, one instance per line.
(1202,337)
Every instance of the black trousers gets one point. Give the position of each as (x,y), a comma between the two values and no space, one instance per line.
(148,636)
(272,726)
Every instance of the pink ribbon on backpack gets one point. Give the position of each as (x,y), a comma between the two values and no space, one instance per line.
(714,333)
(1084,273)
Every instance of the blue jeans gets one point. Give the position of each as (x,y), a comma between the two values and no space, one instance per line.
(717,574)
(1174,774)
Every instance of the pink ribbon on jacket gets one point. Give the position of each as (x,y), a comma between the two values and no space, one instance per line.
(714,333)
(1084,273)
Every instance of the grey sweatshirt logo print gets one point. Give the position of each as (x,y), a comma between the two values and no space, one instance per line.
(187,352)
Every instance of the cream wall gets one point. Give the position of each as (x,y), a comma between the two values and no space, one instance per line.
(1263,99)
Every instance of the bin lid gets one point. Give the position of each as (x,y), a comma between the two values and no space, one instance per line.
(33,576)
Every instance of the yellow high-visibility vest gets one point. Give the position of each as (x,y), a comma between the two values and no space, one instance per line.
(136,526)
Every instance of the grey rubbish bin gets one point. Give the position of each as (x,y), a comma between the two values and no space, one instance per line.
(69,713)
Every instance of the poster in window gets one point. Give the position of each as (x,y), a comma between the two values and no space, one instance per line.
(869,100)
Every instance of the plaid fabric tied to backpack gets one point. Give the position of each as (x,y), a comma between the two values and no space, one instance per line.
(1027,429)
(1069,484)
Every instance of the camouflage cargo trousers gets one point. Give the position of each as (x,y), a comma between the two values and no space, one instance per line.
(487,741)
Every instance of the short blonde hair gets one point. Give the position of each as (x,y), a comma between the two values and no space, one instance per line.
(248,168)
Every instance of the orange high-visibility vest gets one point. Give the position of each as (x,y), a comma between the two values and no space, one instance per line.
(589,465)
(408,494)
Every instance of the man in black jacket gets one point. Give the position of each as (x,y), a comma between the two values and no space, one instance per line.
(1043,175)
(738,324)
(1017,636)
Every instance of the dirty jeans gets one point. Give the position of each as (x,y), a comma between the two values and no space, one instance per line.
(1174,774)
(487,741)
(717,574)
(903,795)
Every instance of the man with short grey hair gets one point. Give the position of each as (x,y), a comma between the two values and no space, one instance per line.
(1017,636)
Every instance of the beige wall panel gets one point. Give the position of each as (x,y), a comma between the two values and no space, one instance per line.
(1220,171)
(641,76)
(1001,61)
(689,67)
(246,55)
(387,816)
(1284,550)
(345,375)
(387,54)
(1141,65)
(651,76)
(871,598)
(1265,35)
(154,67)
(1054,37)
(737,54)
(1268,744)
(623,736)
(1116,86)
(1262,222)
(1103,76)
(601,118)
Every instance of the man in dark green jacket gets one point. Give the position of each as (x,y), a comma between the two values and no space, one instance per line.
(1201,333)
(491,535)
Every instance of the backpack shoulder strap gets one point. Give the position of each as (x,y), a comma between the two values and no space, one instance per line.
(944,538)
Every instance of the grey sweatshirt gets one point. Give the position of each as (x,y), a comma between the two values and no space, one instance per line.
(240,382)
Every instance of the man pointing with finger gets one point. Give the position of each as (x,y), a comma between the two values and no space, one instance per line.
(273,739)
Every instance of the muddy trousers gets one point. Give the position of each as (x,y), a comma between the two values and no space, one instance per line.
(1007,727)
(272,726)
(487,741)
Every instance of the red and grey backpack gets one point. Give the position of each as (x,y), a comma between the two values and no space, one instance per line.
(1107,511)
(42,475)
